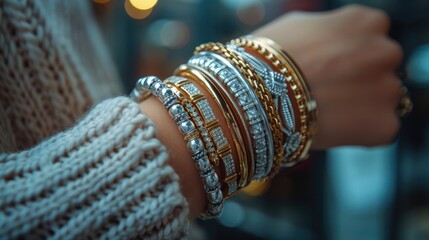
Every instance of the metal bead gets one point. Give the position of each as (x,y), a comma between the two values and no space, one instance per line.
(199,155)
(169,102)
(216,209)
(135,95)
(166,93)
(140,85)
(156,87)
(195,145)
(215,196)
(203,164)
(211,180)
(176,110)
(186,127)
(147,81)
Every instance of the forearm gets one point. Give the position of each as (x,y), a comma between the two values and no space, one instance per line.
(179,156)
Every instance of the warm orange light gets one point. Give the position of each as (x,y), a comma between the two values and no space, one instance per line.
(256,188)
(135,12)
(143,4)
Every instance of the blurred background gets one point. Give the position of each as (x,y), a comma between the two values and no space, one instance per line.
(345,193)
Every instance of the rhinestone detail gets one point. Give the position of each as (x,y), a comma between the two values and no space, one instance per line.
(211,63)
(206,110)
(218,137)
(191,89)
(229,165)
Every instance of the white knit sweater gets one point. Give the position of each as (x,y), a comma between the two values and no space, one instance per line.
(68,171)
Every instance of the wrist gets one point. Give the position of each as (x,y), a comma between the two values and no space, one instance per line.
(179,156)
(210,137)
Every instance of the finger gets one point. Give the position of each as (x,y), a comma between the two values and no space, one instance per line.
(366,18)
(378,20)
(394,52)
(383,53)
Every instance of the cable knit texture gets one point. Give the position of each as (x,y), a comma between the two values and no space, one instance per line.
(107,176)
(52,64)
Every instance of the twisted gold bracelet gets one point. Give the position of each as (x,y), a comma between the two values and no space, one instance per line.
(278,58)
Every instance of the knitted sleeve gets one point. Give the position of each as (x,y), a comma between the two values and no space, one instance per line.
(105,178)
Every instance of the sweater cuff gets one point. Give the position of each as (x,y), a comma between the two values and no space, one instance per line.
(107,177)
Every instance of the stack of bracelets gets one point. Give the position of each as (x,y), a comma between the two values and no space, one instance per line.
(264,99)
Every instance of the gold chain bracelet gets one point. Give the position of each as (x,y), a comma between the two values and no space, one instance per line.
(275,56)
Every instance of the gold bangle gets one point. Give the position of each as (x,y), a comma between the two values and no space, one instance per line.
(275,56)
(262,92)
(206,81)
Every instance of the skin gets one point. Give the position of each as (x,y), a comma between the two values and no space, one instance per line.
(349,63)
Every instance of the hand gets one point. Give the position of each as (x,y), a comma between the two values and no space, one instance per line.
(349,63)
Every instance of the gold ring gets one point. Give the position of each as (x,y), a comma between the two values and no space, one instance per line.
(405,105)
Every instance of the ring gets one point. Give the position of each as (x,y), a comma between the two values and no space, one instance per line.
(405,105)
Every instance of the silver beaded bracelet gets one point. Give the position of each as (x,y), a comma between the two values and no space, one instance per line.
(153,85)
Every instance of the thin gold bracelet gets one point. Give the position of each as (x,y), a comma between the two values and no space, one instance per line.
(261,90)
(211,132)
(206,115)
(207,82)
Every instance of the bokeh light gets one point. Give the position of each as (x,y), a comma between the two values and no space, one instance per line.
(418,65)
(134,12)
(256,188)
(169,33)
(143,4)
(174,34)
(233,214)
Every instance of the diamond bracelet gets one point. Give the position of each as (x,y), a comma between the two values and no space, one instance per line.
(203,116)
(233,82)
(240,138)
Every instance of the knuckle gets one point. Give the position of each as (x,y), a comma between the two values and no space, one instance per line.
(388,51)
(390,130)
(376,20)
(385,133)
(368,16)
(396,92)
(395,51)
(396,87)
(295,14)
(390,91)
(355,8)
(379,16)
